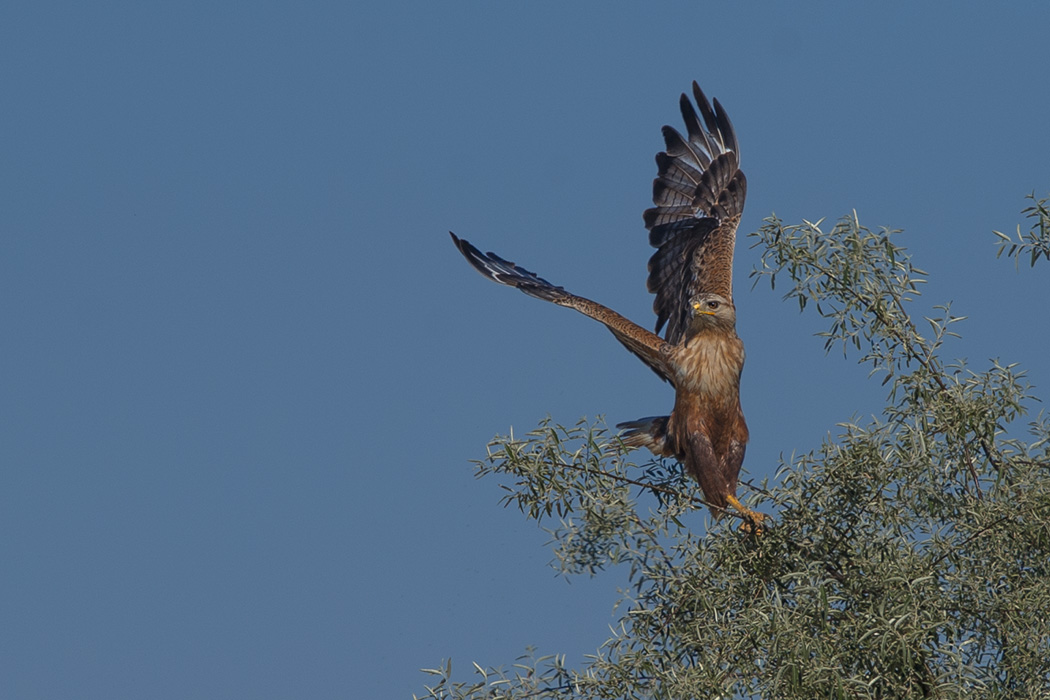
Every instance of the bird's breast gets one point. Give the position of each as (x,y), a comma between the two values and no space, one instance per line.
(710,365)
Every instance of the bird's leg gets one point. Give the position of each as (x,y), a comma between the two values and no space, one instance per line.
(752,519)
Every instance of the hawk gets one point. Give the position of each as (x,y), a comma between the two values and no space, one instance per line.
(699,196)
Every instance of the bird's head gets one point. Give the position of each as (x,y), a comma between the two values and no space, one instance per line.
(709,310)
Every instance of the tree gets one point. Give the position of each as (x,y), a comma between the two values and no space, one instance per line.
(907,558)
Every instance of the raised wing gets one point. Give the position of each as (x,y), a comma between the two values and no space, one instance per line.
(699,195)
(649,347)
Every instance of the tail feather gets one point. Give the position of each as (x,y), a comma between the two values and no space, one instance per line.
(650,432)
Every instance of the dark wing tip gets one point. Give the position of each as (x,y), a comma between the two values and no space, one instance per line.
(725,128)
(474,256)
(464,247)
(507,272)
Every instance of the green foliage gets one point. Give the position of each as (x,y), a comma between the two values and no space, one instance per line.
(909,557)
(1034,243)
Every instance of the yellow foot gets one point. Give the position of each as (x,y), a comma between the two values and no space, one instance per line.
(752,519)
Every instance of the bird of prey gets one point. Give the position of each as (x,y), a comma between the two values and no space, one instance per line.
(699,197)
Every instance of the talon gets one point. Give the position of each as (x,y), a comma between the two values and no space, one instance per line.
(752,519)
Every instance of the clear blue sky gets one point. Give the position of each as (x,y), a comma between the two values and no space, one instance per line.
(243,368)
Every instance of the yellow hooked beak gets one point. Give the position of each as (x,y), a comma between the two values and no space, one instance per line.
(699,309)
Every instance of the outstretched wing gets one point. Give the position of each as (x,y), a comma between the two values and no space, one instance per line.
(699,195)
(650,347)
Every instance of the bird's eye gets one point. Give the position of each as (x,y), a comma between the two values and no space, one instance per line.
(712,304)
